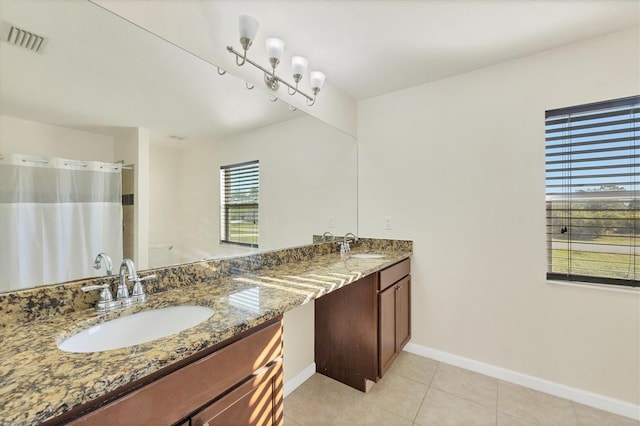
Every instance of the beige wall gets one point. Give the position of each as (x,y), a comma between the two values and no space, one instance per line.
(164,192)
(19,136)
(298,340)
(458,165)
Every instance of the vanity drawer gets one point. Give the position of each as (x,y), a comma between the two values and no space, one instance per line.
(394,273)
(176,395)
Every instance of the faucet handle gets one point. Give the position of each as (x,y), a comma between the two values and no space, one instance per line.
(146,278)
(137,293)
(106,302)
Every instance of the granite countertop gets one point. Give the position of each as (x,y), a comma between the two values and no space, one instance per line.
(38,381)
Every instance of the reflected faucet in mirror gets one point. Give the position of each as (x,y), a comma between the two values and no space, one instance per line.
(107,263)
(346,242)
(328,236)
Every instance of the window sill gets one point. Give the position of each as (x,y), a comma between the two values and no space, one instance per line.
(605,287)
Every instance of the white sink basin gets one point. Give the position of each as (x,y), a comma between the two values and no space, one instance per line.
(368,255)
(136,329)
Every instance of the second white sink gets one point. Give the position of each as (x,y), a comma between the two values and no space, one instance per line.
(136,329)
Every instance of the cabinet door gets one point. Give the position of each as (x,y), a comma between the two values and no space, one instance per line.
(346,333)
(258,401)
(403,313)
(387,330)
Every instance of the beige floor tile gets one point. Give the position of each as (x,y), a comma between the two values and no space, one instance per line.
(363,413)
(319,400)
(588,416)
(440,408)
(454,398)
(398,395)
(466,384)
(289,422)
(535,407)
(507,420)
(414,367)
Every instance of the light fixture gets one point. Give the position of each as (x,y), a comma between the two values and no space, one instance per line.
(275,49)
(248,28)
(298,67)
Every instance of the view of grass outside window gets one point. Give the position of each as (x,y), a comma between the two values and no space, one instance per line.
(239,189)
(592,196)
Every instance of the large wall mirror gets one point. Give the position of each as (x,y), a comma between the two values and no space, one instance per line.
(105,98)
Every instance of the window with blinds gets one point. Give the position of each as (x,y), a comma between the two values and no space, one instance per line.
(592,192)
(239,189)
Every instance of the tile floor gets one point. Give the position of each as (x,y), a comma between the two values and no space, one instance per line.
(423,392)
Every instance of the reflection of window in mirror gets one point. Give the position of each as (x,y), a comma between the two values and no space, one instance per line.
(239,188)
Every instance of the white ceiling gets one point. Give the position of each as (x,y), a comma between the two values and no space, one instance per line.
(368,48)
(99,73)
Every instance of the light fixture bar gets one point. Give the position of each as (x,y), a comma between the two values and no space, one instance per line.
(269,73)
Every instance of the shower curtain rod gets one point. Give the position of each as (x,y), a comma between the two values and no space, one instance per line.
(79,163)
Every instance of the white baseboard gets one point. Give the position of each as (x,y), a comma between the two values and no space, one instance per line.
(591,399)
(299,379)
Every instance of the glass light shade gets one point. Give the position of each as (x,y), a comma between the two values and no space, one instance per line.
(299,65)
(275,47)
(248,27)
(317,79)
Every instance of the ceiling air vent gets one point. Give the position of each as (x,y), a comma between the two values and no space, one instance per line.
(22,38)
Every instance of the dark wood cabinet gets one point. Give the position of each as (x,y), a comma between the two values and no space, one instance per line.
(240,383)
(403,313)
(255,402)
(395,321)
(361,328)
(346,333)
(387,304)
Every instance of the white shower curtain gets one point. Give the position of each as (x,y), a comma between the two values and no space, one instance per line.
(56,215)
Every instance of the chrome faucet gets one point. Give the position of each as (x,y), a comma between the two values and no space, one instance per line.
(346,241)
(122,293)
(137,293)
(345,248)
(122,299)
(328,236)
(107,263)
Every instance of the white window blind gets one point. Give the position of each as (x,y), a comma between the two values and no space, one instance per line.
(592,192)
(239,190)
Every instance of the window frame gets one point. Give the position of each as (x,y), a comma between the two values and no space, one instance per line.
(226,207)
(584,196)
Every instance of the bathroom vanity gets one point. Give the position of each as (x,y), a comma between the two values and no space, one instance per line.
(217,369)
(361,328)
